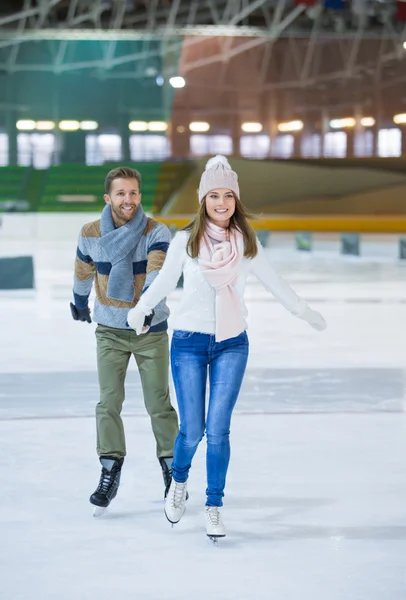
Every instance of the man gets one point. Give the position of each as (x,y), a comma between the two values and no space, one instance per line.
(123,252)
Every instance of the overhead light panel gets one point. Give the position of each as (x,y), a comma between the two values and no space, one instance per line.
(88,125)
(290,126)
(342,123)
(157,126)
(367,121)
(25,125)
(400,119)
(199,126)
(45,125)
(138,126)
(177,82)
(251,127)
(69,125)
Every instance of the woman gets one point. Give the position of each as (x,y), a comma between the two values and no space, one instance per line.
(216,252)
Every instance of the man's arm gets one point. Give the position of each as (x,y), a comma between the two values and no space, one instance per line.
(83,281)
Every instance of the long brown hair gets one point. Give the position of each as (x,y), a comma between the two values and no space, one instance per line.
(239,221)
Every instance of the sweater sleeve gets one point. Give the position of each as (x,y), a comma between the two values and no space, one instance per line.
(157,248)
(167,278)
(84,274)
(275,284)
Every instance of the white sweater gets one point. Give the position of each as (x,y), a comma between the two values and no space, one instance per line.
(197,306)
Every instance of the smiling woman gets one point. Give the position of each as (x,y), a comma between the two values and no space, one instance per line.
(220,206)
(216,253)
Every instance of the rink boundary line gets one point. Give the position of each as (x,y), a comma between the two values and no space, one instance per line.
(236,414)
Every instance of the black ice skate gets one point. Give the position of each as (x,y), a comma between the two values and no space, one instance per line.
(166,466)
(108,484)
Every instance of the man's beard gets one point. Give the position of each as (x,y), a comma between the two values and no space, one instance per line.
(121,215)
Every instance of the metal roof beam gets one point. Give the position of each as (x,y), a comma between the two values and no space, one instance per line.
(245,12)
(201,30)
(25,13)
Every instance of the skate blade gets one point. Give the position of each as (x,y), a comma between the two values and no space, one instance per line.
(174,522)
(215,538)
(98,511)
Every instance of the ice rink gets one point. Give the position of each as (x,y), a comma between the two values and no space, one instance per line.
(315,505)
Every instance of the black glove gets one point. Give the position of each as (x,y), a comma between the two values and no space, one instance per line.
(80,314)
(148,319)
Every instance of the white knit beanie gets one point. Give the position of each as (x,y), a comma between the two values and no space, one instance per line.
(218,174)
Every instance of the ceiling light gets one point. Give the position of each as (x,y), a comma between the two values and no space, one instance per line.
(400,119)
(290,126)
(177,82)
(89,125)
(157,126)
(138,126)
(251,127)
(25,124)
(199,126)
(367,121)
(44,125)
(342,123)
(69,125)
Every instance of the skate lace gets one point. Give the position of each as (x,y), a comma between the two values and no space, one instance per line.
(177,496)
(213,515)
(106,480)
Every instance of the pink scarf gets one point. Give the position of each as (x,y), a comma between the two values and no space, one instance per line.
(220,266)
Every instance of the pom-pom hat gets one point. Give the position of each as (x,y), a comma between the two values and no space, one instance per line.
(218,174)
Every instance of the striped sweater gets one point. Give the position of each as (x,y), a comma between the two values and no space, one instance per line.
(92,265)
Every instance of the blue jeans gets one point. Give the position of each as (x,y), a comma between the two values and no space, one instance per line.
(191,354)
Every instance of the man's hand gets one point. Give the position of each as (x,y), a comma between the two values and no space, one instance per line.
(139,321)
(80,314)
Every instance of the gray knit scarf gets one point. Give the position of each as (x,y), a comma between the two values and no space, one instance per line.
(118,244)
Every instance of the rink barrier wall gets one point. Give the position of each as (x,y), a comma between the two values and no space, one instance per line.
(349,243)
(16,273)
(54,227)
(349,227)
(47,226)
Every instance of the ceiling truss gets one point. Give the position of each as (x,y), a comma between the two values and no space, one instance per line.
(207,33)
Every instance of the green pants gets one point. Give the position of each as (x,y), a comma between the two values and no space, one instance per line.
(151,352)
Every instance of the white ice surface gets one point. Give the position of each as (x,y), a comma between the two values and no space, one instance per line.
(315,502)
